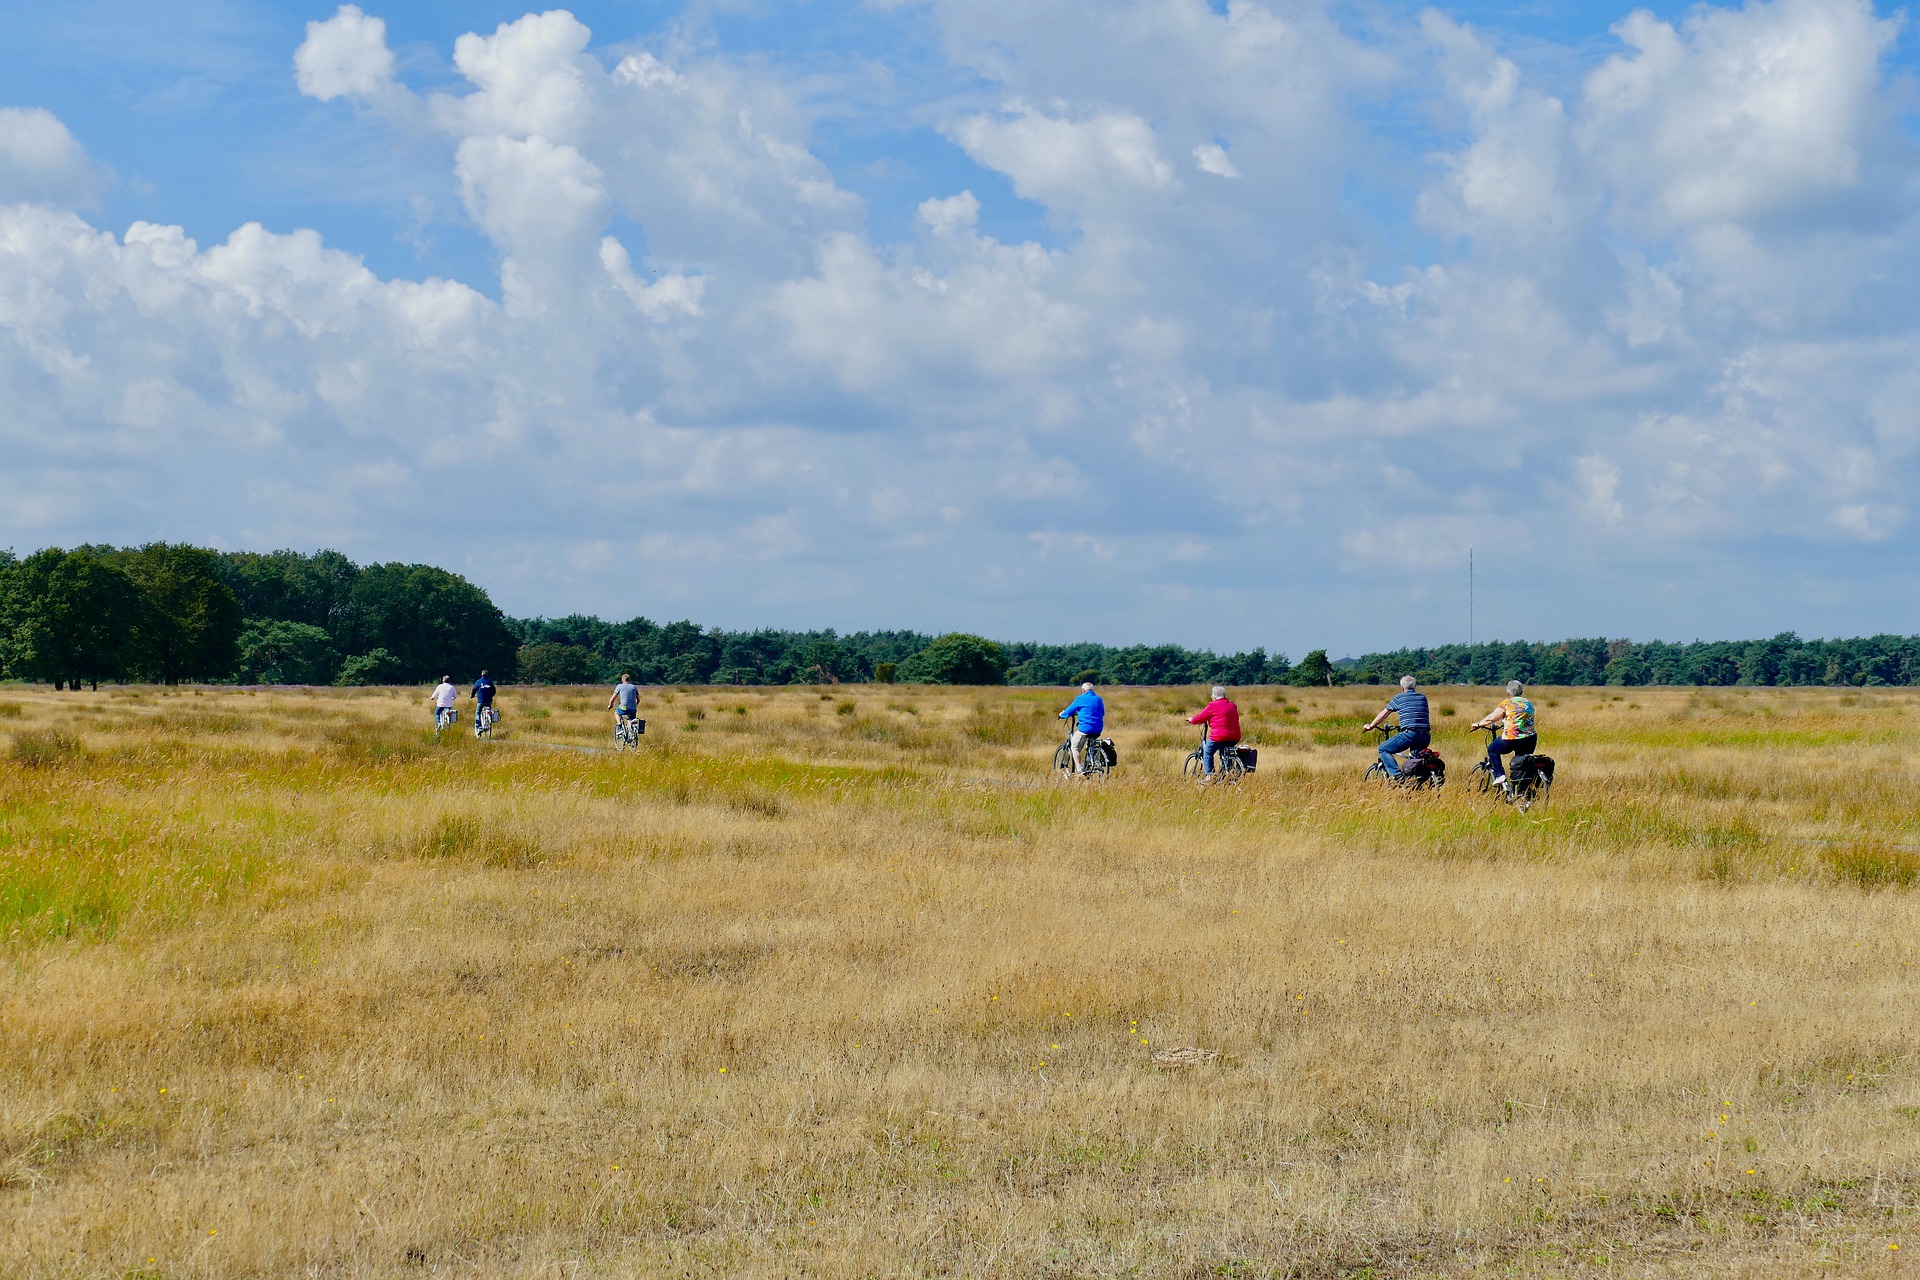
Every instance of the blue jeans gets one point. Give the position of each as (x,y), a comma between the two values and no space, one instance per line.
(1501,746)
(1405,740)
(1209,748)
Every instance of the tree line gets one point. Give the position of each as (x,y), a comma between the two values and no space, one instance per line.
(1785,659)
(582,649)
(171,612)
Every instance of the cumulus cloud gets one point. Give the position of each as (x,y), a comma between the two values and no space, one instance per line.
(1658,311)
(344,56)
(1063,162)
(1737,113)
(40,160)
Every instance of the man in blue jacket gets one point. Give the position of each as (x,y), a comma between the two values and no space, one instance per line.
(483,691)
(1089,716)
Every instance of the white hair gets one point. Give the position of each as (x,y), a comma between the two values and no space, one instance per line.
(1514,687)
(1087,687)
(1219,691)
(1407,682)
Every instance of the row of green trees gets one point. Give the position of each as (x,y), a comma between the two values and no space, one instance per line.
(581,649)
(1786,659)
(157,612)
(170,612)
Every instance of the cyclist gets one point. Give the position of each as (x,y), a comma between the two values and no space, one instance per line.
(1089,716)
(445,696)
(1416,725)
(625,702)
(1222,719)
(1514,718)
(482,696)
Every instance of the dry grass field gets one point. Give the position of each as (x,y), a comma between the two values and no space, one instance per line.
(840,982)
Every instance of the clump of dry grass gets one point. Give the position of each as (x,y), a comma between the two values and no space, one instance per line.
(296,987)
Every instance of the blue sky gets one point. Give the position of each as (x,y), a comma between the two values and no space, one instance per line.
(1138,320)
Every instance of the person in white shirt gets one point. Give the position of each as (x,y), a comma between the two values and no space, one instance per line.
(444,698)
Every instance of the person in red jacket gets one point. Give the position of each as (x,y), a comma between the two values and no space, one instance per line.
(1222,719)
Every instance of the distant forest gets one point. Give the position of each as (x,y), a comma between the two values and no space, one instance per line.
(170,612)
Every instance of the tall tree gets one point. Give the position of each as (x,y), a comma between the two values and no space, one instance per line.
(192,626)
(956,658)
(71,616)
(434,622)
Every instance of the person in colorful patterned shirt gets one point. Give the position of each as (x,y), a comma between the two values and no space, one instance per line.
(1514,718)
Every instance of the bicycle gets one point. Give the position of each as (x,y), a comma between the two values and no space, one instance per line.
(444,718)
(1099,754)
(1530,776)
(1228,766)
(1424,768)
(627,731)
(483,720)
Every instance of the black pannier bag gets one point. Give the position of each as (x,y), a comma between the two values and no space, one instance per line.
(1113,754)
(1250,757)
(1527,767)
(1426,763)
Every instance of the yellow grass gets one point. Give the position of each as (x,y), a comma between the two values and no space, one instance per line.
(842,982)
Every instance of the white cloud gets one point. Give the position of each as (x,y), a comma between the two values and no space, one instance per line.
(40,160)
(531,75)
(1670,316)
(1738,112)
(1064,162)
(344,56)
(1213,158)
(657,300)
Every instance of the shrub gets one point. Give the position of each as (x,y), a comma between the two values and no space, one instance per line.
(377,667)
(1088,675)
(957,658)
(885,672)
(277,652)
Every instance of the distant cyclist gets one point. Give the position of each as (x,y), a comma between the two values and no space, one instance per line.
(445,697)
(1514,718)
(1089,716)
(1222,719)
(1416,725)
(625,702)
(482,697)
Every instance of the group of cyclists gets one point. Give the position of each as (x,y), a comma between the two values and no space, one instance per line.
(1512,722)
(446,702)
(625,702)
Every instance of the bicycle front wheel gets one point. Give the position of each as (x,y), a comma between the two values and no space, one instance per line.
(1195,767)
